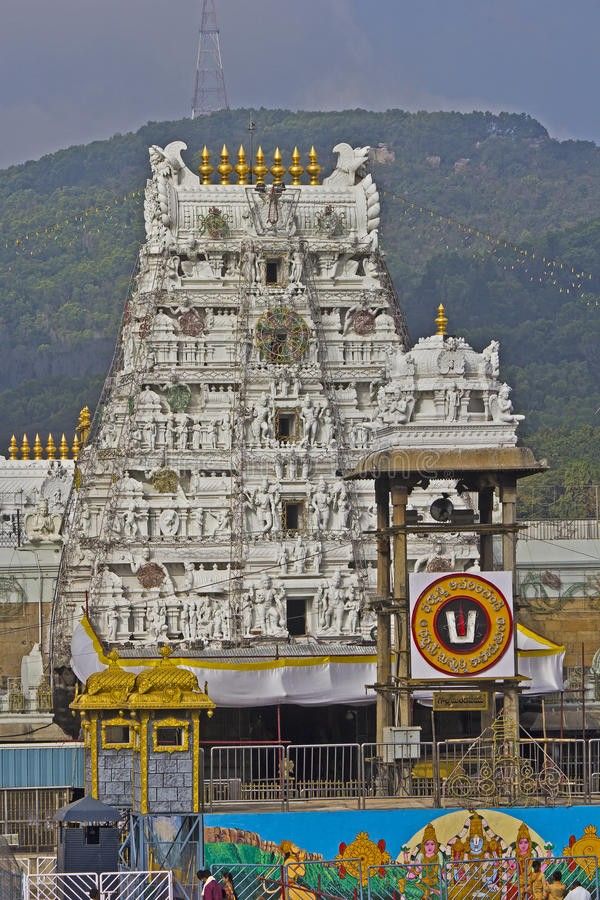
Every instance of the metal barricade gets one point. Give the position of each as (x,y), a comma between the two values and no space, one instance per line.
(253,881)
(245,774)
(569,870)
(111,886)
(180,856)
(342,879)
(323,772)
(482,879)
(593,759)
(69,886)
(405,879)
(38,865)
(513,773)
(558,760)
(136,886)
(399,770)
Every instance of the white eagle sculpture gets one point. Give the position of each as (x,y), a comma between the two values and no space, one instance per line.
(349,162)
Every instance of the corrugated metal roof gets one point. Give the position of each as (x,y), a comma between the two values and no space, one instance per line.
(29,766)
(256,651)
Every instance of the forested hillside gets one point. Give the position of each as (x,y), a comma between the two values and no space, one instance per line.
(64,277)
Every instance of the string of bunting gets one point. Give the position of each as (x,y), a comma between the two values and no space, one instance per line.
(77,220)
(536,266)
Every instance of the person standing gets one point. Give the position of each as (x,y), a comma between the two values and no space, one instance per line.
(555,889)
(211,889)
(228,887)
(578,892)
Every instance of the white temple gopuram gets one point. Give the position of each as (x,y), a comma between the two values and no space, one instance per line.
(262,354)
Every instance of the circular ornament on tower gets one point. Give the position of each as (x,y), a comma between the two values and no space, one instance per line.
(282,335)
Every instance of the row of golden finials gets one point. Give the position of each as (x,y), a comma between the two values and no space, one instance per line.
(81,434)
(260,168)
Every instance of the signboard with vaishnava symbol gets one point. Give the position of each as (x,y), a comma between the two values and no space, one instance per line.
(462,625)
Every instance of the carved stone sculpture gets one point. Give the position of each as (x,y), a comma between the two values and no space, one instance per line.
(321,505)
(41,526)
(501,407)
(309,415)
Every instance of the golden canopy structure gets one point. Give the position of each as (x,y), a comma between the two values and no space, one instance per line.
(142,736)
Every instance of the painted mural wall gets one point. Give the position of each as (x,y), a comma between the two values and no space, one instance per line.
(360,839)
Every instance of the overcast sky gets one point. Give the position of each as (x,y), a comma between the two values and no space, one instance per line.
(72,71)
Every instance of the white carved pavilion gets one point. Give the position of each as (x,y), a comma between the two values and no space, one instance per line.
(262,353)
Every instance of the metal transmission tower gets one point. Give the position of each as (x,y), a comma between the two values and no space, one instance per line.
(209,86)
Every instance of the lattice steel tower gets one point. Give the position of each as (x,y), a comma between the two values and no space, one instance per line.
(209,85)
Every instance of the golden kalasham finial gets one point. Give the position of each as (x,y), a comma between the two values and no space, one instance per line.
(441,320)
(25,452)
(13,448)
(260,169)
(296,169)
(51,447)
(75,447)
(83,424)
(63,448)
(225,168)
(242,168)
(313,168)
(205,169)
(277,169)
(38,450)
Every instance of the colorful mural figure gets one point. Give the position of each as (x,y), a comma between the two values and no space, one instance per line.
(449,854)
(523,851)
(430,859)
(475,854)
(587,846)
(294,859)
(361,855)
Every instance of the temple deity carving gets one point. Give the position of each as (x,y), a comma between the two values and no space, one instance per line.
(263,354)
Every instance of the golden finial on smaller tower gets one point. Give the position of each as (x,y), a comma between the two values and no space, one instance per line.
(51,447)
(25,451)
(13,448)
(242,168)
(260,170)
(205,169)
(38,450)
(225,168)
(83,425)
(63,448)
(313,168)
(277,169)
(76,447)
(441,320)
(296,169)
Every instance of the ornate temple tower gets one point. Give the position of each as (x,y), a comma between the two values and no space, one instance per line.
(211,511)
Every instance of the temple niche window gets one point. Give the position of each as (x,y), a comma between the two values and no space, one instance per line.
(293,515)
(169,736)
(286,427)
(117,734)
(273,271)
(296,616)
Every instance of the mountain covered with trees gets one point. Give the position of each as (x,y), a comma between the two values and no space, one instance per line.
(486,213)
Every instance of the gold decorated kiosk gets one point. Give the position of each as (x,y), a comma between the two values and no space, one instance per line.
(445,415)
(142,737)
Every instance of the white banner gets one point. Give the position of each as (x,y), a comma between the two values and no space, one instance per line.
(307,681)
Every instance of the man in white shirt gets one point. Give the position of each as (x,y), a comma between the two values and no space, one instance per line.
(578,892)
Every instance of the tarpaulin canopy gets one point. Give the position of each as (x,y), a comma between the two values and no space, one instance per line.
(319,679)
(87,810)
